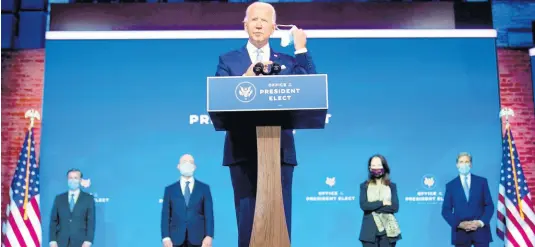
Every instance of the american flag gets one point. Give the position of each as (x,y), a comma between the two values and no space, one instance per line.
(23,225)
(516,219)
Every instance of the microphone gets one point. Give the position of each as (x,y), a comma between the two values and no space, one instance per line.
(258,69)
(275,69)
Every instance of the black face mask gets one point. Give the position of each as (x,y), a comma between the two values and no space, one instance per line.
(377,173)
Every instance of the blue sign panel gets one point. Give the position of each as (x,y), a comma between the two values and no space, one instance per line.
(262,93)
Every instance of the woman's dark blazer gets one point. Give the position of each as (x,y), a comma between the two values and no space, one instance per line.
(368,230)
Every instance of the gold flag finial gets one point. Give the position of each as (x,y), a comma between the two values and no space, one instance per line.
(507,112)
(32,114)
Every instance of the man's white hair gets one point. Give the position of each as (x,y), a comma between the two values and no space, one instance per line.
(260,4)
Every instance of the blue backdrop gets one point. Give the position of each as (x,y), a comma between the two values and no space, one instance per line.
(123,111)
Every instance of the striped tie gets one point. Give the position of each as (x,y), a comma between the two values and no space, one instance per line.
(259,55)
(71,202)
(187,193)
(466,188)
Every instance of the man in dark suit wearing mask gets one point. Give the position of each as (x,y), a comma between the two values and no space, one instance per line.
(187,210)
(468,206)
(72,222)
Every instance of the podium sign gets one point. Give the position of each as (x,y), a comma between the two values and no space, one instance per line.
(289,101)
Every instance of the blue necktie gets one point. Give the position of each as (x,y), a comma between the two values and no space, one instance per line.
(71,202)
(259,55)
(187,193)
(466,188)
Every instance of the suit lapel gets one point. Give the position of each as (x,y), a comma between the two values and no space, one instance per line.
(273,56)
(276,58)
(244,60)
(195,193)
(471,188)
(81,198)
(460,188)
(65,202)
(178,193)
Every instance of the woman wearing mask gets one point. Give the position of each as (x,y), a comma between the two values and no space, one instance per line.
(379,201)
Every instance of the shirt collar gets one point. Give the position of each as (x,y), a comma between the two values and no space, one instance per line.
(184,180)
(252,49)
(467,176)
(76,192)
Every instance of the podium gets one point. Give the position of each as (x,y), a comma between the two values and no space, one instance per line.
(270,103)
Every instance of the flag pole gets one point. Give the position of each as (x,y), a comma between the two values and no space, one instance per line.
(32,114)
(508,112)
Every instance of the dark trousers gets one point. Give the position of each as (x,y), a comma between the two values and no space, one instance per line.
(244,176)
(380,241)
(470,245)
(187,243)
(72,243)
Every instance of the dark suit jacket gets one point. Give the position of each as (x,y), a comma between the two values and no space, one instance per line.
(368,230)
(197,218)
(76,227)
(456,209)
(241,146)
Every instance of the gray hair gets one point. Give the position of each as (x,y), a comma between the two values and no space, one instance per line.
(464,154)
(260,4)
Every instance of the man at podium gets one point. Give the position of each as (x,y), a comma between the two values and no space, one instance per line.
(240,152)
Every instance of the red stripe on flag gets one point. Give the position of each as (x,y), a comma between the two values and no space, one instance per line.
(501,217)
(511,239)
(6,242)
(36,209)
(15,230)
(518,227)
(30,227)
(529,221)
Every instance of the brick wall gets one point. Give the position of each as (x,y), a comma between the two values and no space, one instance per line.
(22,89)
(516,92)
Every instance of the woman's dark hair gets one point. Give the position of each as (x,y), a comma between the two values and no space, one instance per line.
(386,177)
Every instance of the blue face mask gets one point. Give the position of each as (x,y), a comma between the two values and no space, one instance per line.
(287,36)
(73,184)
(187,169)
(464,168)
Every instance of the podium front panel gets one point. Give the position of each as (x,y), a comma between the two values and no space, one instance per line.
(267,93)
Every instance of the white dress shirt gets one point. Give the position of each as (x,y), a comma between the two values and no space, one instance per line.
(266,52)
(76,194)
(469,180)
(253,52)
(183,181)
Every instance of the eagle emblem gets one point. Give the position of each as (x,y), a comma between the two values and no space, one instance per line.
(245,92)
(330,181)
(429,181)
